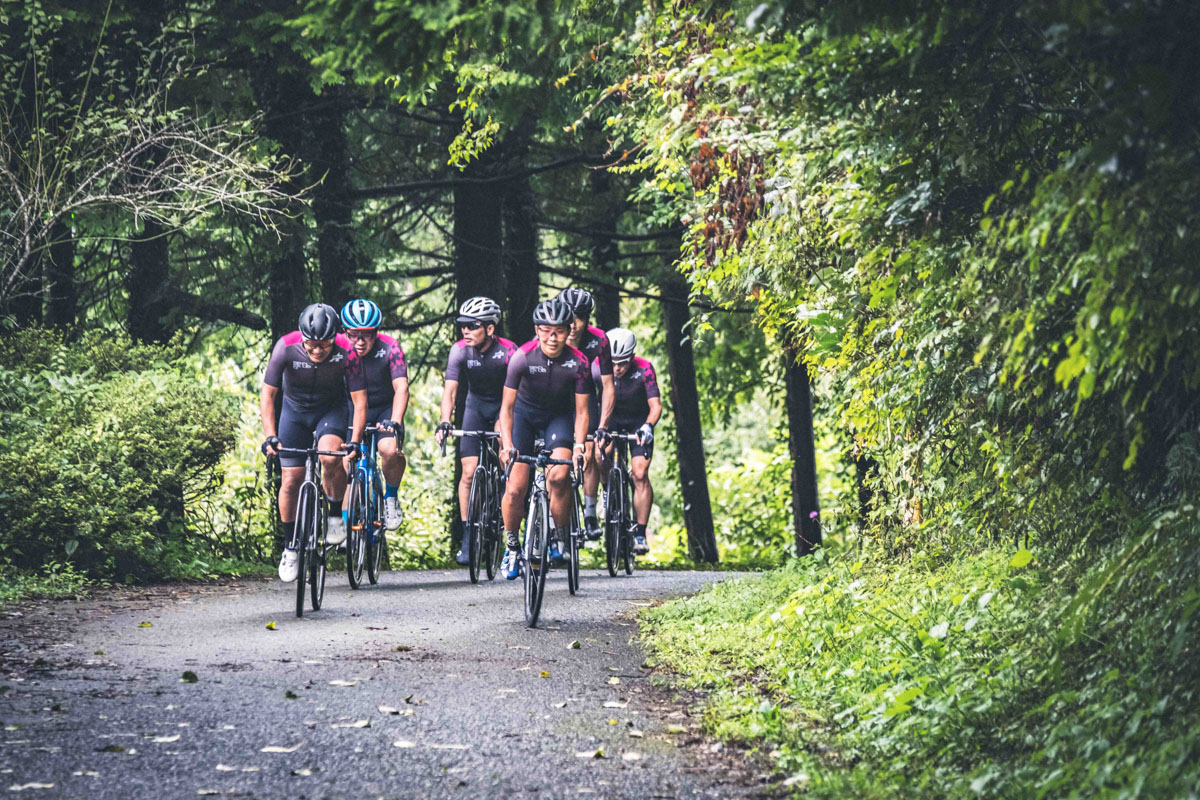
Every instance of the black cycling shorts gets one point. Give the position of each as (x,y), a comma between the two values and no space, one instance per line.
(296,428)
(557,429)
(479,415)
(631,425)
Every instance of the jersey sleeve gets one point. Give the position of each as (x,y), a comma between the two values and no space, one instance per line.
(583,377)
(454,364)
(516,366)
(356,375)
(604,357)
(650,380)
(274,374)
(396,361)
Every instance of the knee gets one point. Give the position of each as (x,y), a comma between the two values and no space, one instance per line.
(331,465)
(387,448)
(641,474)
(558,479)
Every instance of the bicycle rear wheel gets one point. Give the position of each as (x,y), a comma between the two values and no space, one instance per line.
(627,528)
(476,520)
(377,541)
(493,539)
(612,520)
(537,561)
(358,529)
(316,559)
(574,534)
(306,512)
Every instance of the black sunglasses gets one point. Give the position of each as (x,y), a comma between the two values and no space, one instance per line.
(470,326)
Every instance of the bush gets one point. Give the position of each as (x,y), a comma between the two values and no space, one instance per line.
(104,445)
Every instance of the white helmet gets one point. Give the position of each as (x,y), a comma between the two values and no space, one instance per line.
(481,309)
(622,342)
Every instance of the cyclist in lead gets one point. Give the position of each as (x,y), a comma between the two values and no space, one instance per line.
(386,377)
(636,409)
(480,360)
(314,373)
(546,394)
(593,343)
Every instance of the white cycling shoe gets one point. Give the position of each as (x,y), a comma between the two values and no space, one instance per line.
(392,515)
(289,565)
(335,534)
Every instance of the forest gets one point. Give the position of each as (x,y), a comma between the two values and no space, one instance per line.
(919,279)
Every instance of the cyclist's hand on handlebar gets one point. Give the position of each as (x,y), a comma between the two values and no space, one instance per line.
(600,437)
(645,434)
(269,446)
(578,458)
(439,435)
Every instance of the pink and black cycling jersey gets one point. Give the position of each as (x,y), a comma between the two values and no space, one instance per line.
(593,342)
(381,366)
(632,392)
(483,373)
(547,384)
(308,385)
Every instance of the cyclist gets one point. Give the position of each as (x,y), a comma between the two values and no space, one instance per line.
(314,373)
(594,344)
(546,395)
(480,359)
(386,375)
(636,409)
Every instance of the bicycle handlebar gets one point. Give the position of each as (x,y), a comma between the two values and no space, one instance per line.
(461,433)
(306,451)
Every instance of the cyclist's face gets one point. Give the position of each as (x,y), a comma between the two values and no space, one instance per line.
(578,326)
(552,338)
(363,341)
(620,368)
(318,349)
(475,333)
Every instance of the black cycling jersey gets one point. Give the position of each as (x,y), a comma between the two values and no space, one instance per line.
(483,373)
(309,385)
(548,384)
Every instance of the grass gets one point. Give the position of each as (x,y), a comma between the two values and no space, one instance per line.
(992,674)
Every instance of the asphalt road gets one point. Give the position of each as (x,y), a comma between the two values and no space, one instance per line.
(422,686)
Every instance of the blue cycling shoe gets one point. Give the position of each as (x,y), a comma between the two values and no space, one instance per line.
(555,553)
(511,566)
(463,556)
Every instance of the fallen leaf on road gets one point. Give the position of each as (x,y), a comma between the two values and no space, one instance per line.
(188,677)
(274,748)
(518,647)
(227,768)
(574,645)
(613,722)
(508,691)
(362,723)
(447,747)
(343,683)
(631,755)
(676,729)
(22,787)
(145,625)
(165,739)
(563,704)
(205,792)
(270,626)
(545,674)
(615,703)
(388,710)
(290,695)
(401,648)
(303,773)
(614,680)
(374,628)
(404,743)
(111,748)
(597,753)
(636,734)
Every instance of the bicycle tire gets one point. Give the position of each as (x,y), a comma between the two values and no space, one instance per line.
(537,561)
(494,536)
(358,528)
(476,520)
(627,527)
(305,509)
(572,544)
(377,543)
(612,521)
(316,558)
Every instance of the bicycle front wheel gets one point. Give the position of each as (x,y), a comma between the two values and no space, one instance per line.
(316,560)
(493,540)
(377,536)
(476,521)
(627,526)
(357,530)
(306,513)
(537,561)
(574,535)
(612,520)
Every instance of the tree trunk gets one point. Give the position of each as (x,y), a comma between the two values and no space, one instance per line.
(689,441)
(336,251)
(477,236)
(521,273)
(605,253)
(802,448)
(62,293)
(146,317)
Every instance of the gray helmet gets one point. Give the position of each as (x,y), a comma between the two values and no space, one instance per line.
(580,300)
(553,312)
(318,322)
(622,342)
(479,309)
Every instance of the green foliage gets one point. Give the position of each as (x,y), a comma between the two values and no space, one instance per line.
(983,675)
(101,465)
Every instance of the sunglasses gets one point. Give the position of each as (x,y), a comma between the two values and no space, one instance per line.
(359,335)
(470,326)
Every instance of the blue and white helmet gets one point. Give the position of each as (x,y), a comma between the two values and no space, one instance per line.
(361,315)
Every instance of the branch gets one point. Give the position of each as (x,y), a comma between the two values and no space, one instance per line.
(584,278)
(195,306)
(597,233)
(393,189)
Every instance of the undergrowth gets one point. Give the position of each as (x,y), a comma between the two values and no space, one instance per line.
(996,674)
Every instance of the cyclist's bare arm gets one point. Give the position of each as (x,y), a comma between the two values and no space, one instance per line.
(399,399)
(505,422)
(449,396)
(266,409)
(581,418)
(359,399)
(607,393)
(655,410)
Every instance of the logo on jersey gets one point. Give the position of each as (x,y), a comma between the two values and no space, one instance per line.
(336,357)
(536,368)
(637,374)
(473,363)
(498,354)
(302,365)
(572,363)
(382,353)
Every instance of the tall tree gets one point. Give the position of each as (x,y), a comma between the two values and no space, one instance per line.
(806,508)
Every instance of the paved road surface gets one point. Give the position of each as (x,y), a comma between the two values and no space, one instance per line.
(423,686)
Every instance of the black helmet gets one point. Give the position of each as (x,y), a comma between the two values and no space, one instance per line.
(580,300)
(553,312)
(318,322)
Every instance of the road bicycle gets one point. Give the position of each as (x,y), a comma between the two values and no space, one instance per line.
(484,523)
(312,521)
(535,554)
(366,536)
(619,524)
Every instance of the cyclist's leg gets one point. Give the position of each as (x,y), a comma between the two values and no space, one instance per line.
(295,431)
(560,438)
(591,472)
(391,464)
(643,492)
(330,431)
(512,507)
